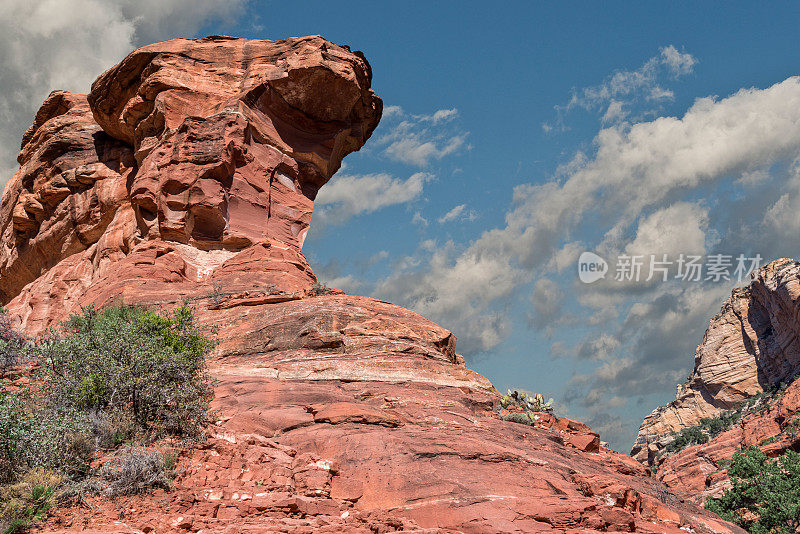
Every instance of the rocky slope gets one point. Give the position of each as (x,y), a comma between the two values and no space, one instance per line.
(750,352)
(697,472)
(750,346)
(189,173)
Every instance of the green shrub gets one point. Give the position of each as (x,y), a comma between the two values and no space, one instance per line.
(526,401)
(11,342)
(711,427)
(91,392)
(319,289)
(765,497)
(15,429)
(132,360)
(26,501)
(523,406)
(104,379)
(518,417)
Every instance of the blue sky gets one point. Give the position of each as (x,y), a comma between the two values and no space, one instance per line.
(515,138)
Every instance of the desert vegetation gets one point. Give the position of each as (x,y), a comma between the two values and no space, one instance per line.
(114,384)
(765,497)
(522,406)
(711,427)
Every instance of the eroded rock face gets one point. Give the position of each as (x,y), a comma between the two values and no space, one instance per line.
(69,195)
(752,345)
(235,137)
(189,174)
(186,153)
(699,471)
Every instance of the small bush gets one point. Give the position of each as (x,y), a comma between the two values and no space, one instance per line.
(531,403)
(106,378)
(525,405)
(320,289)
(518,417)
(711,427)
(131,360)
(135,470)
(91,392)
(26,501)
(15,429)
(765,497)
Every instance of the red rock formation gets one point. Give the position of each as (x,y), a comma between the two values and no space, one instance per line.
(190,174)
(698,472)
(750,346)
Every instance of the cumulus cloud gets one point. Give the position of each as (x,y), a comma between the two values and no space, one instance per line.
(443,115)
(412,150)
(644,165)
(676,229)
(350,195)
(419,140)
(678,62)
(547,299)
(347,283)
(781,217)
(670,185)
(52,44)
(455,290)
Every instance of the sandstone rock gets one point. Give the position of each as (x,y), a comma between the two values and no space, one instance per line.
(750,346)
(234,137)
(187,152)
(698,472)
(189,175)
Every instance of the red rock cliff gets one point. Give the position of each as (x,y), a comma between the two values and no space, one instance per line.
(750,347)
(189,172)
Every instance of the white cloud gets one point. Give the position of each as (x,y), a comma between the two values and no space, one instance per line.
(412,150)
(782,216)
(443,115)
(632,187)
(677,229)
(753,178)
(659,93)
(643,165)
(619,92)
(547,299)
(392,111)
(419,220)
(614,112)
(348,284)
(459,212)
(53,44)
(420,139)
(455,292)
(348,195)
(679,63)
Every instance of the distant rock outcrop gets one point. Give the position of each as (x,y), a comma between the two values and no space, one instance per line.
(750,346)
(189,173)
(699,471)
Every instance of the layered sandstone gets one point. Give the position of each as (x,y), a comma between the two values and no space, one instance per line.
(750,346)
(188,174)
(185,154)
(699,471)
